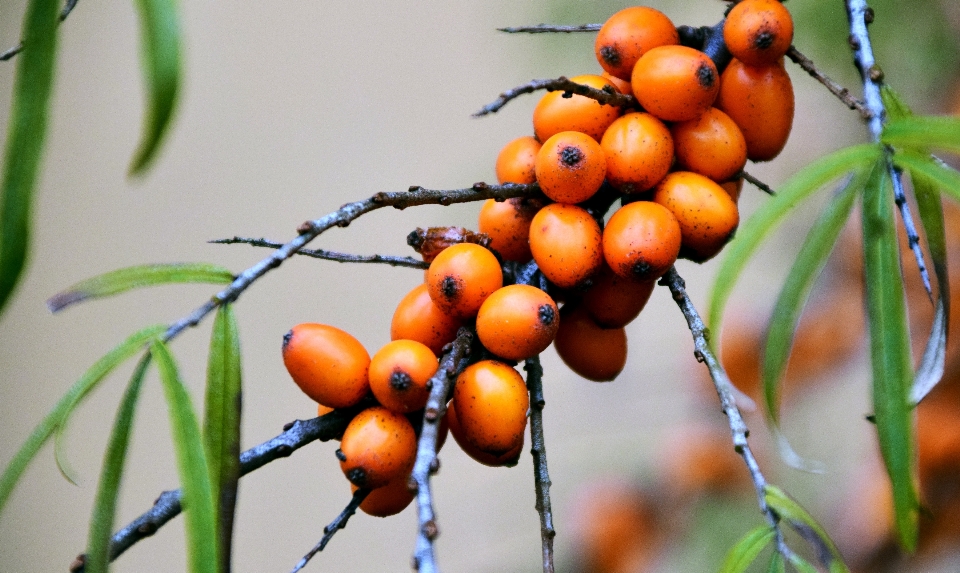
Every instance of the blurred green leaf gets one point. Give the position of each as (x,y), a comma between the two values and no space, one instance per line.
(192,465)
(160,59)
(803,523)
(26,134)
(890,351)
(920,132)
(105,504)
(122,280)
(222,424)
(768,216)
(61,411)
(746,550)
(896,107)
(776,564)
(801,564)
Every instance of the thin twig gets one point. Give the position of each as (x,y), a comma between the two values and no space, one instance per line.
(541,477)
(336,525)
(550,29)
(11,52)
(757,183)
(604,97)
(393,261)
(167,506)
(426,462)
(842,93)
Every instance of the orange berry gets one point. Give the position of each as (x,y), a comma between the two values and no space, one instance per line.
(641,241)
(675,83)
(760,101)
(388,500)
(323,410)
(566,243)
(758,32)
(515,161)
(399,373)
(462,277)
(733,188)
(623,86)
(507,223)
(711,145)
(614,301)
(639,151)
(597,354)
(706,213)
(629,34)
(570,167)
(491,401)
(517,322)
(377,446)
(507,459)
(555,113)
(328,364)
(418,318)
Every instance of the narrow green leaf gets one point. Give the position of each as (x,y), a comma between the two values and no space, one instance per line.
(896,107)
(61,411)
(222,425)
(776,564)
(800,520)
(792,193)
(803,274)
(801,565)
(924,131)
(160,59)
(105,504)
(25,138)
(746,550)
(890,351)
(122,280)
(947,178)
(192,465)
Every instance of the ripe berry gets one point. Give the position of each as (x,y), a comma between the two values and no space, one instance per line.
(491,401)
(733,188)
(711,145)
(515,161)
(570,167)
(555,113)
(760,101)
(507,459)
(597,354)
(639,151)
(462,277)
(566,243)
(377,446)
(388,500)
(629,34)
(399,373)
(675,83)
(517,322)
(328,364)
(758,32)
(706,213)
(507,223)
(614,301)
(641,241)
(418,318)
(623,86)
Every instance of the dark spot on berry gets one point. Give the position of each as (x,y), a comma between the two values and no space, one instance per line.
(416,238)
(611,55)
(286,339)
(546,314)
(706,75)
(340,455)
(763,40)
(641,269)
(571,156)
(450,287)
(400,380)
(357,476)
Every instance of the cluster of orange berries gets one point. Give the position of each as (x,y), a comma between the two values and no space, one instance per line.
(674,163)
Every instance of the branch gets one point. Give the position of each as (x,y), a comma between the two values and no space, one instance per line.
(426,462)
(604,97)
(757,183)
(842,93)
(11,52)
(331,255)
(337,524)
(550,28)
(539,451)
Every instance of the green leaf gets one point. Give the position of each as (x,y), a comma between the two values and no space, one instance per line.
(192,465)
(768,216)
(796,289)
(61,411)
(122,280)
(890,351)
(25,138)
(947,178)
(920,132)
(897,109)
(776,564)
(222,424)
(105,504)
(160,59)
(746,550)
(801,565)
(803,523)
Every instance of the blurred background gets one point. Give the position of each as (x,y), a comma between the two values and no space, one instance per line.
(290,109)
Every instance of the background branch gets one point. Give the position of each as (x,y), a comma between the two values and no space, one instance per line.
(842,93)
(393,261)
(550,28)
(337,524)
(562,83)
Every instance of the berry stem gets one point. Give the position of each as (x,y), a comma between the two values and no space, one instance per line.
(538,449)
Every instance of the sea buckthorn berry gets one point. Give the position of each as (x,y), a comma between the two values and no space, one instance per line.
(517,322)
(706,213)
(760,101)
(491,403)
(462,277)
(323,410)
(711,145)
(614,301)
(629,34)
(388,500)
(418,318)
(377,446)
(641,241)
(515,161)
(399,373)
(675,83)
(507,223)
(758,32)
(328,364)
(566,243)
(555,113)
(733,188)
(623,86)
(429,242)
(507,459)
(570,167)
(639,151)
(597,354)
